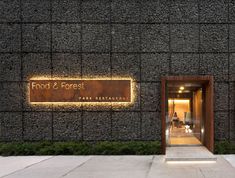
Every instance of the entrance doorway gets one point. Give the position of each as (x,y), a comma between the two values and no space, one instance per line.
(187,111)
(184,122)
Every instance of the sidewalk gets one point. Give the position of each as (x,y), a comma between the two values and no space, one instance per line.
(112,167)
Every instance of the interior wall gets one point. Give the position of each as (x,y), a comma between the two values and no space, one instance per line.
(197,112)
(170,108)
(180,107)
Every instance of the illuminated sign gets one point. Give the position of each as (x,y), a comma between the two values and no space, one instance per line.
(80,90)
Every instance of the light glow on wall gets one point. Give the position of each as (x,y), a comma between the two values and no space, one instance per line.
(183,101)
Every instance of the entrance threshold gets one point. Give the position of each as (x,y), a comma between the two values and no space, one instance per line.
(172,145)
(189,154)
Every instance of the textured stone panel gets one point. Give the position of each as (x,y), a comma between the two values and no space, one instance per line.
(126,65)
(36,65)
(9,37)
(66,65)
(35,11)
(135,106)
(150,96)
(96,125)
(10,11)
(37,126)
(67,107)
(27,106)
(125,11)
(125,38)
(66,37)
(96,38)
(231,10)
(214,38)
(126,125)
(216,65)
(151,126)
(232,125)
(184,63)
(221,97)
(11,126)
(10,67)
(11,96)
(67,126)
(184,11)
(154,11)
(184,38)
(94,65)
(66,10)
(95,107)
(154,38)
(232,67)
(214,11)
(221,125)
(153,66)
(1,131)
(36,37)
(95,10)
(232,38)
(232,96)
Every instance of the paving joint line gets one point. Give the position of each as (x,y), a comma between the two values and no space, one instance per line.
(80,165)
(150,166)
(27,167)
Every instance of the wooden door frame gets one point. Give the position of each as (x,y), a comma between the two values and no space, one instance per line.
(209,101)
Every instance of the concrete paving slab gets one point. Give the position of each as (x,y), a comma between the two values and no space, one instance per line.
(191,169)
(15,163)
(162,169)
(230,159)
(113,166)
(192,153)
(57,166)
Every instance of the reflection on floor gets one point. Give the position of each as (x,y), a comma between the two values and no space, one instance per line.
(184,141)
(178,136)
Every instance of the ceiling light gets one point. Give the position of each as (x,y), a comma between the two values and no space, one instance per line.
(182,88)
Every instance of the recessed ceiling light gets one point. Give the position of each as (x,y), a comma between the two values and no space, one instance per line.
(181,88)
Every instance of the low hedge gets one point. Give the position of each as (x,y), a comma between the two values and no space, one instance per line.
(80,148)
(99,148)
(224,147)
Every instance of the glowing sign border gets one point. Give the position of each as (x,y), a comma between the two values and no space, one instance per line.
(102,103)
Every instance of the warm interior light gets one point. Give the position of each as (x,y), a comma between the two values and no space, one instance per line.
(202,130)
(180,91)
(191,162)
(178,101)
(181,88)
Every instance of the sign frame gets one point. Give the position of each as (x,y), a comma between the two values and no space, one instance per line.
(112,101)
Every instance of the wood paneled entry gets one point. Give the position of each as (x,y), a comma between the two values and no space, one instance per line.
(207,109)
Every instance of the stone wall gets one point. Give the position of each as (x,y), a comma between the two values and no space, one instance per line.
(143,39)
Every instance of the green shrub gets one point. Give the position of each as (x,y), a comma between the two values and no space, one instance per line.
(127,148)
(80,148)
(224,147)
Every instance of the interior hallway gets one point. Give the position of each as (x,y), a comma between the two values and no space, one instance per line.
(178,136)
